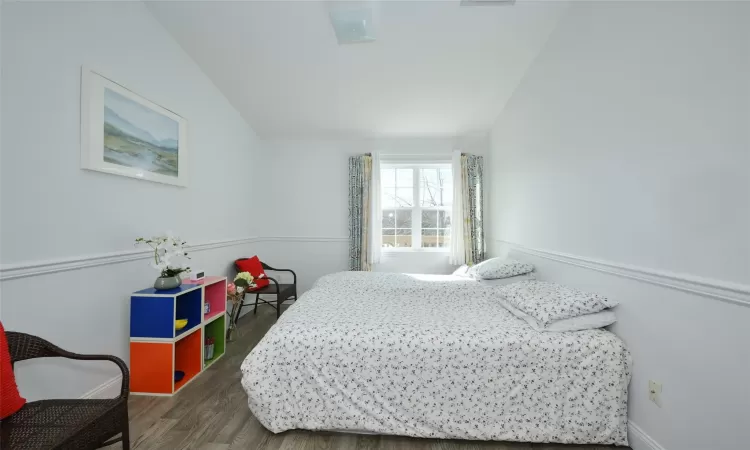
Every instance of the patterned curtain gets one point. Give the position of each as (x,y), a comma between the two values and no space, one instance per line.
(360,178)
(472,180)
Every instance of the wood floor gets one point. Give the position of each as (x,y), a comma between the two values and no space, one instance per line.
(211,413)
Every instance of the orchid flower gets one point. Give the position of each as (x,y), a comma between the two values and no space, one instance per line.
(166,249)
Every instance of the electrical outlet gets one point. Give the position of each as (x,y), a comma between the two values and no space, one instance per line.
(654,392)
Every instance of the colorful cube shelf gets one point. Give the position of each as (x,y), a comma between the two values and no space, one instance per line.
(157,350)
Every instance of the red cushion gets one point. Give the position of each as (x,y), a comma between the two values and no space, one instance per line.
(10,400)
(253,266)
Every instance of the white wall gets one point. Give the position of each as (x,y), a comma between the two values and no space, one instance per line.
(627,141)
(1,141)
(310,179)
(52,210)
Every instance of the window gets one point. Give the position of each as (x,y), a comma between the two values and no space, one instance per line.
(416,202)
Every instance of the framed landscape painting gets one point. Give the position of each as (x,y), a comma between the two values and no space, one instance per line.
(125,134)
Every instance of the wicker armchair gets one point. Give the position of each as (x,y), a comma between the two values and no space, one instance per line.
(65,424)
(283,292)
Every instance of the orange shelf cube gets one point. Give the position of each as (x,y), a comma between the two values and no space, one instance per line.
(151,367)
(188,357)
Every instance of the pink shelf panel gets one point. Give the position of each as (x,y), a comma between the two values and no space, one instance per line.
(212,314)
(216,297)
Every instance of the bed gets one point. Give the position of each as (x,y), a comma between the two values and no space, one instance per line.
(437,357)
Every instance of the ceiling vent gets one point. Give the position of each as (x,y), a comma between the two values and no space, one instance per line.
(353,25)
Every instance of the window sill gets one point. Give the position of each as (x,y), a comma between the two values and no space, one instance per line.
(414,250)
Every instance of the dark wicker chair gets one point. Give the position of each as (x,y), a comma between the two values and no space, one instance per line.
(65,424)
(283,292)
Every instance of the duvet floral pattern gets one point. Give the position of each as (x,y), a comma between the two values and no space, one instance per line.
(433,357)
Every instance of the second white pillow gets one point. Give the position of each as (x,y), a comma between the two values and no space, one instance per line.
(495,268)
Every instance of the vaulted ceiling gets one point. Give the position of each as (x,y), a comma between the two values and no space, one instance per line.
(436,67)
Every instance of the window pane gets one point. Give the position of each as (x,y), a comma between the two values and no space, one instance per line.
(389,218)
(403,240)
(427,198)
(430,177)
(389,238)
(433,198)
(403,237)
(429,187)
(405,178)
(429,238)
(445,238)
(437,188)
(447,175)
(388,177)
(429,219)
(388,199)
(405,197)
(444,219)
(445,180)
(403,218)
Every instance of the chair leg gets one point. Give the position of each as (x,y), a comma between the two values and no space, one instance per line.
(126,433)
(255,311)
(239,311)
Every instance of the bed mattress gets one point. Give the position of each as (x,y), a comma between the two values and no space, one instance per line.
(435,357)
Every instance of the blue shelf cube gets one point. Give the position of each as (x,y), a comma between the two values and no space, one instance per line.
(190,307)
(151,317)
(153,312)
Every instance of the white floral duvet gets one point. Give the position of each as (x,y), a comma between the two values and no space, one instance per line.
(436,357)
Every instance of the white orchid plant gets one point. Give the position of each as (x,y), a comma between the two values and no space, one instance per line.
(166,249)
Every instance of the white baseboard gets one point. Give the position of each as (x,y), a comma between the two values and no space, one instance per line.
(639,440)
(109,389)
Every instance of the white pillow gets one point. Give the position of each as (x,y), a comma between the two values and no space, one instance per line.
(509,280)
(461,271)
(593,321)
(495,268)
(547,302)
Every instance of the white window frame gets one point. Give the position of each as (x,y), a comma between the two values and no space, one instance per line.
(416,210)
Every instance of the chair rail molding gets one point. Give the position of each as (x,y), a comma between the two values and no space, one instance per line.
(721,290)
(304,239)
(34,268)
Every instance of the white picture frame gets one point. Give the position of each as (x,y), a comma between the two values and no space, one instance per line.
(123,133)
